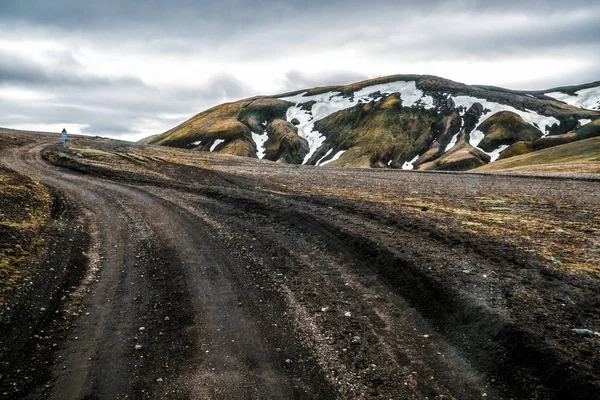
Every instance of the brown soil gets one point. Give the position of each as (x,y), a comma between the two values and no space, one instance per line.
(258,280)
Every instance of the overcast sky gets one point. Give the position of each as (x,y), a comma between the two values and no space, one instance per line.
(129,69)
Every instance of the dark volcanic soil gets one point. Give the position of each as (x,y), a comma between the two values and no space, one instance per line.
(219,277)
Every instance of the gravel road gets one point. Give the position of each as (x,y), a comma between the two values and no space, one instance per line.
(194,285)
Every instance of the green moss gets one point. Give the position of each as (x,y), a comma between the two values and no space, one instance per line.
(462,157)
(284,143)
(581,151)
(516,149)
(506,128)
(380,131)
(256,112)
(588,131)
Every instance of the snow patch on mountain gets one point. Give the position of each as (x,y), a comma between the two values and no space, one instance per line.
(494,155)
(306,128)
(409,93)
(583,122)
(324,157)
(259,141)
(454,139)
(585,98)
(196,143)
(335,157)
(476,138)
(216,143)
(541,122)
(408,165)
(453,142)
(332,102)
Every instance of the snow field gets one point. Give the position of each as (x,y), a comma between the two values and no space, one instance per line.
(585,98)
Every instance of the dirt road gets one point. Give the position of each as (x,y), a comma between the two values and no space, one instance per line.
(194,285)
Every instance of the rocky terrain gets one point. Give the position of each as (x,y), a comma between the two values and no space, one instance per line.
(402,121)
(176,274)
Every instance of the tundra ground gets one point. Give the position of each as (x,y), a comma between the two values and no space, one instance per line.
(181,274)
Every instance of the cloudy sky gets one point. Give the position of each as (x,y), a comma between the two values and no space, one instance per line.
(129,69)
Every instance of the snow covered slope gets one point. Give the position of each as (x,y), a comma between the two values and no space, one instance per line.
(328,103)
(585,98)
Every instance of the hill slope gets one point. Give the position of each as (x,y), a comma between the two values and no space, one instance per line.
(578,157)
(401,121)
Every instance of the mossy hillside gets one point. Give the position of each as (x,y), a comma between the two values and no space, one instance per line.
(584,132)
(581,151)
(255,113)
(449,125)
(284,144)
(207,125)
(238,147)
(383,131)
(589,131)
(462,157)
(231,122)
(24,211)
(516,149)
(506,128)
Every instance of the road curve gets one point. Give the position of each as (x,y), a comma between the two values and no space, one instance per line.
(163,286)
(199,286)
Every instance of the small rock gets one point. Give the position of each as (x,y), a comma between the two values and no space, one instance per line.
(586,332)
(138,346)
(142,328)
(159,380)
(347,314)
(167,318)
(288,361)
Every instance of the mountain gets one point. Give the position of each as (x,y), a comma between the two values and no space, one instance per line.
(400,121)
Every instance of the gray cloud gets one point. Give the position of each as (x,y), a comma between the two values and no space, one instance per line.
(62,69)
(238,14)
